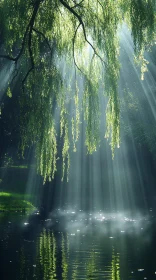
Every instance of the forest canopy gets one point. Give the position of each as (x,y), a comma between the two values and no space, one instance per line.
(66,52)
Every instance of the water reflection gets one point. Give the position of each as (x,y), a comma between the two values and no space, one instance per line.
(66,258)
(115,265)
(47,254)
(78,253)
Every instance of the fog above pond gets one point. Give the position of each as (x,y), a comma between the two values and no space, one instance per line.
(78,222)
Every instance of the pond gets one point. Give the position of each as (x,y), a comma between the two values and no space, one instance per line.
(73,245)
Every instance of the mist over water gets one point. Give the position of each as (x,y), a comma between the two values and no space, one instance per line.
(76,222)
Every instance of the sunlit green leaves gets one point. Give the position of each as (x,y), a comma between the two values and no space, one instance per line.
(142,62)
(76,119)
(92,118)
(14,16)
(46,252)
(142,20)
(9,93)
(60,39)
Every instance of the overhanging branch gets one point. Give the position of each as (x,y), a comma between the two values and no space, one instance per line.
(83,27)
(15,59)
(77,4)
(31,24)
(44,37)
(28,32)
(26,76)
(74,47)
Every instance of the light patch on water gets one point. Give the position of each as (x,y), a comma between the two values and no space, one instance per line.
(111,224)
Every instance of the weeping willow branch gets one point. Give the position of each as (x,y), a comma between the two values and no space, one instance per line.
(23,41)
(31,24)
(74,48)
(21,50)
(100,4)
(85,34)
(46,40)
(27,32)
(26,76)
(70,9)
(77,5)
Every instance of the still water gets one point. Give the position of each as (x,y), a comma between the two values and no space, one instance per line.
(74,245)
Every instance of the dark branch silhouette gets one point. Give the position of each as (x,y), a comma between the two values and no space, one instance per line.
(21,50)
(77,4)
(83,27)
(31,24)
(74,48)
(46,40)
(26,76)
(29,33)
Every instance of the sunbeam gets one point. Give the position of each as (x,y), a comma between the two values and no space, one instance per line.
(78,139)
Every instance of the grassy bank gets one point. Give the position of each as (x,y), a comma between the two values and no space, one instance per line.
(15,202)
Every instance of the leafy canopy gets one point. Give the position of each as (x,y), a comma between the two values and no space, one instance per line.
(66,52)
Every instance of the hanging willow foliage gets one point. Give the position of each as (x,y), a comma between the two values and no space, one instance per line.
(62,52)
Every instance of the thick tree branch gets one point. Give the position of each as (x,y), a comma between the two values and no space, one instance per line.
(26,76)
(21,50)
(74,47)
(23,44)
(29,33)
(31,24)
(83,27)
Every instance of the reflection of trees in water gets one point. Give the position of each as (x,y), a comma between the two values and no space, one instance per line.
(60,258)
(47,255)
(115,265)
(48,51)
(65,256)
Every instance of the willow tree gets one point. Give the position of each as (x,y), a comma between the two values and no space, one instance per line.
(40,37)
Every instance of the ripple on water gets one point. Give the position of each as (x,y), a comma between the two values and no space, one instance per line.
(81,249)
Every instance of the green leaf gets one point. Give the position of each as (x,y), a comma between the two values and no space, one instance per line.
(9,93)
